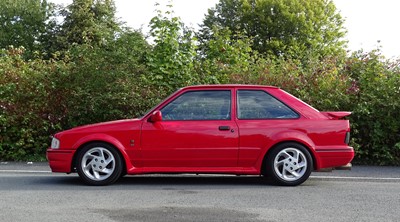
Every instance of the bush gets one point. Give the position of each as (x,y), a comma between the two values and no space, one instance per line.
(365,83)
(103,83)
(40,97)
(376,107)
(124,76)
(28,113)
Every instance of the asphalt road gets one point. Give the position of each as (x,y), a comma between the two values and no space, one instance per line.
(29,192)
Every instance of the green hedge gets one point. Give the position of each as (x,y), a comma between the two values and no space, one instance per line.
(40,97)
(27,105)
(365,83)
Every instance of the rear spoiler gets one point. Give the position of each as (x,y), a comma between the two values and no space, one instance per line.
(336,115)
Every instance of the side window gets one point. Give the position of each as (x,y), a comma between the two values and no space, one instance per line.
(256,104)
(199,105)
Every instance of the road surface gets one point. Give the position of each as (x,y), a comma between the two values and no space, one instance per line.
(29,192)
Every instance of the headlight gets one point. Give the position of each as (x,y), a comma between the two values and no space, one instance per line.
(55,143)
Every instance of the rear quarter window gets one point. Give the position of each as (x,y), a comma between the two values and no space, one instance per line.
(258,104)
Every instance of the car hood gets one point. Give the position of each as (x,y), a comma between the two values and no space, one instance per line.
(103,126)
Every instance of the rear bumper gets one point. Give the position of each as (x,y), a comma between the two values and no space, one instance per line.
(60,160)
(335,158)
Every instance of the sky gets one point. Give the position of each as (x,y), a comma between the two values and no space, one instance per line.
(366,21)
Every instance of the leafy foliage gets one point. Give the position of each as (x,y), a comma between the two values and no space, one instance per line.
(171,60)
(40,97)
(374,95)
(90,22)
(223,56)
(91,69)
(91,91)
(289,28)
(23,23)
(27,116)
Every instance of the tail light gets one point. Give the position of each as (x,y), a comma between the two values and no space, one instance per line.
(347,138)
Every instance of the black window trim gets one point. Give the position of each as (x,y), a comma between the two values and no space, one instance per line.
(262,90)
(200,90)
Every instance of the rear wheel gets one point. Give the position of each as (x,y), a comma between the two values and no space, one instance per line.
(289,164)
(99,164)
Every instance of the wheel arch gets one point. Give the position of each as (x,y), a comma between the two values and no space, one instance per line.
(78,146)
(302,143)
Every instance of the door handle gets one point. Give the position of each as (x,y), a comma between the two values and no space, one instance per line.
(224,128)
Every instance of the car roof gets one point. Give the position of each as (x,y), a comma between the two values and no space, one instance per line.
(228,86)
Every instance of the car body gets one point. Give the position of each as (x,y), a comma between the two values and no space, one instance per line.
(224,129)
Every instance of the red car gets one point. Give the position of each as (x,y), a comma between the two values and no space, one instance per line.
(224,129)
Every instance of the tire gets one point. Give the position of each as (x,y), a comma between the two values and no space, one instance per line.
(99,164)
(289,164)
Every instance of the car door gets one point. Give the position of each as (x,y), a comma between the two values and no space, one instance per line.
(260,116)
(197,130)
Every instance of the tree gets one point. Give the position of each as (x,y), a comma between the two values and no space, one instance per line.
(227,55)
(103,83)
(171,60)
(23,22)
(88,22)
(289,28)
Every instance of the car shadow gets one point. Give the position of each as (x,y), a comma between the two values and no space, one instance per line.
(194,180)
(197,182)
(140,182)
(164,182)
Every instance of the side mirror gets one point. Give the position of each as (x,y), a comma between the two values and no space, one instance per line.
(156,116)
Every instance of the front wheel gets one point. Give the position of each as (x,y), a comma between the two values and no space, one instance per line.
(289,164)
(99,164)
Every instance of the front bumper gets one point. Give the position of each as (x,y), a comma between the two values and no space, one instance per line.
(60,160)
